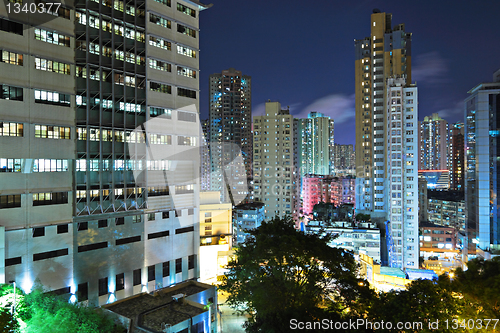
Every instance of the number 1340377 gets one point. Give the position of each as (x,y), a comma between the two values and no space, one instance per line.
(33,8)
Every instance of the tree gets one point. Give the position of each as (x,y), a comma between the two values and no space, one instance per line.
(8,323)
(281,274)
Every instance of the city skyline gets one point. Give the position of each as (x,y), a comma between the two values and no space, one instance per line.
(446,40)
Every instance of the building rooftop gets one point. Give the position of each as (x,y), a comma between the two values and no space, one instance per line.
(449,195)
(150,311)
(427,224)
(249,206)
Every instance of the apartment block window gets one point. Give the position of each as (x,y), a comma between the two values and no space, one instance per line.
(165,2)
(186,10)
(103,286)
(62,229)
(151,273)
(137,277)
(52,132)
(51,37)
(191,261)
(83,292)
(160,65)
(120,281)
(102,223)
(186,30)
(178,265)
(52,66)
(184,50)
(186,93)
(160,87)
(51,198)
(12,58)
(151,216)
(158,191)
(160,139)
(137,219)
(11,129)
(119,221)
(160,20)
(156,111)
(9,26)
(49,165)
(187,72)
(186,140)
(83,226)
(52,97)
(39,232)
(183,189)
(166,269)
(11,93)
(160,42)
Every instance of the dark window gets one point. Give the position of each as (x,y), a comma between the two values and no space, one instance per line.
(39,232)
(191,211)
(11,93)
(49,254)
(62,228)
(183,230)
(137,277)
(151,273)
(90,247)
(10,201)
(119,220)
(151,216)
(158,234)
(178,265)
(102,223)
(83,292)
(83,226)
(9,26)
(128,240)
(120,281)
(164,215)
(166,269)
(12,261)
(178,212)
(60,291)
(186,93)
(103,286)
(191,262)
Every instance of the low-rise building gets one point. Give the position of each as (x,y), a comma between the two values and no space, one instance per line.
(187,307)
(247,216)
(216,235)
(437,240)
(361,238)
(328,189)
(446,208)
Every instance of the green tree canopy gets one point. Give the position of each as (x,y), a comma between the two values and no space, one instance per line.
(282,274)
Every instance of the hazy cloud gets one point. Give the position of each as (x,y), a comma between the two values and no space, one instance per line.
(337,106)
(452,113)
(430,68)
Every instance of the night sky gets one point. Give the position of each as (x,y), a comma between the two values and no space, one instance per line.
(301,53)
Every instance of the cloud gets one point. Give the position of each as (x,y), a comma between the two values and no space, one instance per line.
(339,107)
(456,111)
(430,68)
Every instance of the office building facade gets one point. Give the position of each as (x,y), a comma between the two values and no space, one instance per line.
(99,202)
(482,128)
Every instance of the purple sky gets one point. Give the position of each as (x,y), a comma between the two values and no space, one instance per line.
(302,53)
